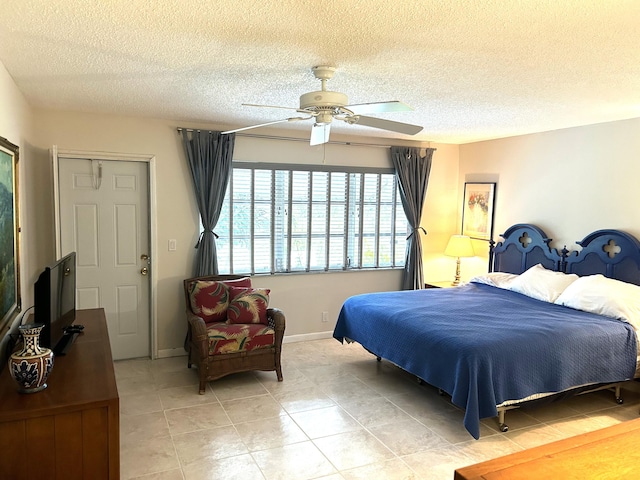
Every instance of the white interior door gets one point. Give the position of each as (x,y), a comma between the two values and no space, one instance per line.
(104,218)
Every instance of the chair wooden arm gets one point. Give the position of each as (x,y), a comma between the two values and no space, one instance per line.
(197,334)
(278,323)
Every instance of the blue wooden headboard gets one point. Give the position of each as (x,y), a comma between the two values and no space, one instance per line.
(613,253)
(524,246)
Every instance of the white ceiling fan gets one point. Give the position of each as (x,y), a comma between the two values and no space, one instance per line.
(324,106)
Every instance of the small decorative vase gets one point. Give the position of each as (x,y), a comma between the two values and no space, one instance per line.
(31,366)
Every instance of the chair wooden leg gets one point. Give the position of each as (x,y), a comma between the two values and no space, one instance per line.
(203,370)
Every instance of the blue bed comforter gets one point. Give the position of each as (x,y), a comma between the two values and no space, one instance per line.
(484,345)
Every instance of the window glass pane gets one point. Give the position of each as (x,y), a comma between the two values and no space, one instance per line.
(281,221)
(262,186)
(336,226)
(370,188)
(241,184)
(387,185)
(223,248)
(386,219)
(369,219)
(401,246)
(368,251)
(338,186)
(262,219)
(318,218)
(241,254)
(319,190)
(300,186)
(242,220)
(318,251)
(262,255)
(299,219)
(298,253)
(336,252)
(384,245)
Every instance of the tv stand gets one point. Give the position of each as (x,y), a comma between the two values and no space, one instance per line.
(70,429)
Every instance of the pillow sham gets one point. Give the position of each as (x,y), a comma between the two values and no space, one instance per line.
(248,305)
(541,283)
(604,296)
(495,279)
(210,299)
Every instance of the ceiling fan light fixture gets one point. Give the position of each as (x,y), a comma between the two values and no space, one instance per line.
(324,118)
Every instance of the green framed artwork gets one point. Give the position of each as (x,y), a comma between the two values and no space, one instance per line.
(477,210)
(9,233)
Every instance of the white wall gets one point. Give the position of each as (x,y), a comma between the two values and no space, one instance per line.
(303,297)
(569,182)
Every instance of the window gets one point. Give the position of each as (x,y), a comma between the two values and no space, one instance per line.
(283,218)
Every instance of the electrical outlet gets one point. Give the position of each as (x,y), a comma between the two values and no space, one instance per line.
(325,316)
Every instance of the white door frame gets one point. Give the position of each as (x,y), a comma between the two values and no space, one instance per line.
(123,157)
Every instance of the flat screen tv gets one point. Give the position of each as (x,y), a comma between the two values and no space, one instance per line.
(55,303)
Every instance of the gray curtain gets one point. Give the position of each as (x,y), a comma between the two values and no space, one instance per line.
(209,156)
(412,173)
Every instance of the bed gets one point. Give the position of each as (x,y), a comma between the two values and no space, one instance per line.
(543,322)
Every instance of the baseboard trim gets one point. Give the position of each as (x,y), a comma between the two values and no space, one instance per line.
(304,337)
(171,352)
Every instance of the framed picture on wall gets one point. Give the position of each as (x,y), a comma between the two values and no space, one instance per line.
(477,210)
(9,258)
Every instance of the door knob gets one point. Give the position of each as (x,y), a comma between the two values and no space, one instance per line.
(144,270)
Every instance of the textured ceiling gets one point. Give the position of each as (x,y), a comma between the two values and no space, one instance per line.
(472,70)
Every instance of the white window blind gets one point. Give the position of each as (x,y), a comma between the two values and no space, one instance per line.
(278,218)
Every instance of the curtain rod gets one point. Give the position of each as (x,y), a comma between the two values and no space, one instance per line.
(296,139)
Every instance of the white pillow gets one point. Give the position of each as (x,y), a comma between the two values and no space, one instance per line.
(495,279)
(604,296)
(542,284)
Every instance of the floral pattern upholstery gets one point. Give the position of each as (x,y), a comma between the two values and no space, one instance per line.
(248,305)
(233,338)
(210,299)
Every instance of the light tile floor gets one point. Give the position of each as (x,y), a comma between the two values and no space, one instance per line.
(339,414)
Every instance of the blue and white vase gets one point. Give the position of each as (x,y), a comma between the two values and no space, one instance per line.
(31,366)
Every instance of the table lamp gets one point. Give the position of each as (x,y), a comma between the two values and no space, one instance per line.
(459,246)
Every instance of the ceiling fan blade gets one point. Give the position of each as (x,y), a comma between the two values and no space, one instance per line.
(292,119)
(379,107)
(320,133)
(268,106)
(406,128)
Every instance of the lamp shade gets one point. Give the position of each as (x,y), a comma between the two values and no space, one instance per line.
(459,246)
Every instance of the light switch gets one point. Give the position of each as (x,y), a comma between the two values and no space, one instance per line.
(172,245)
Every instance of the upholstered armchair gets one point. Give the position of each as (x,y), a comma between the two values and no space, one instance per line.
(230,327)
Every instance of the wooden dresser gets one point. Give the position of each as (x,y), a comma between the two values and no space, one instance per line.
(71,429)
(611,453)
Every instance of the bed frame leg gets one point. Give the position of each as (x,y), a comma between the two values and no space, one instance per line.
(619,399)
(503,426)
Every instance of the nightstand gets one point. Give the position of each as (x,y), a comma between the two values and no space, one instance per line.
(446,284)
